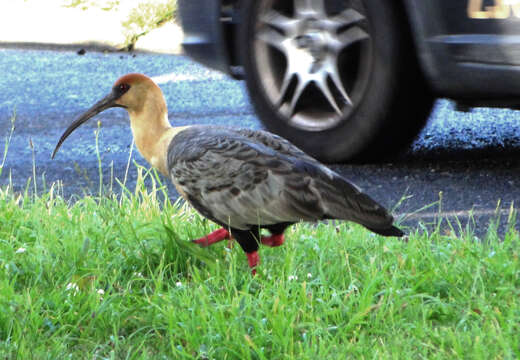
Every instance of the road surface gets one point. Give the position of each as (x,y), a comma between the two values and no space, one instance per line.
(469,160)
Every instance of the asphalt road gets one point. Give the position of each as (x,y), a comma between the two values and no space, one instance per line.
(470,160)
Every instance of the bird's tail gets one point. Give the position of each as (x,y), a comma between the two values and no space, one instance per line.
(390,231)
(347,202)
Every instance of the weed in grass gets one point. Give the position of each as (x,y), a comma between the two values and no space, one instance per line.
(146,16)
(143,17)
(7,142)
(106,5)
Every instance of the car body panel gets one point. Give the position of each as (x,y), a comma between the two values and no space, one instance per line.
(204,40)
(465,51)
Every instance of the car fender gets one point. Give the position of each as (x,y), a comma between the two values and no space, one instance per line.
(204,39)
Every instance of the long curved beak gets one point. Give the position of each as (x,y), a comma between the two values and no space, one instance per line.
(103,104)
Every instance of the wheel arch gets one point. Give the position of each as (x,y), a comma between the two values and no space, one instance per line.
(417,28)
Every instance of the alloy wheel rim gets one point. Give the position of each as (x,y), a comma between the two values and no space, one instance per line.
(314,63)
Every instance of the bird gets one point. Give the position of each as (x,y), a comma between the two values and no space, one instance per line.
(243,180)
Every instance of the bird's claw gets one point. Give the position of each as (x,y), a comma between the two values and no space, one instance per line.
(252,257)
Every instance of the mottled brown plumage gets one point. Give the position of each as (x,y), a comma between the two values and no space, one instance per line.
(242,179)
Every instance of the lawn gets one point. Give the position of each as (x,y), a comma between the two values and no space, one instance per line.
(115,277)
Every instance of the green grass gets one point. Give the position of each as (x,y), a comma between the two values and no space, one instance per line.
(116,278)
(106,5)
(145,16)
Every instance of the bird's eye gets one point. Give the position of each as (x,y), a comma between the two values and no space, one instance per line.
(123,87)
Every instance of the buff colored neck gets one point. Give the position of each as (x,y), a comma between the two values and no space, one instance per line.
(153,134)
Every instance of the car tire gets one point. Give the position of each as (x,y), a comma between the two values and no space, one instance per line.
(338,78)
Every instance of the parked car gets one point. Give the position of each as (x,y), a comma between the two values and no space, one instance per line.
(356,79)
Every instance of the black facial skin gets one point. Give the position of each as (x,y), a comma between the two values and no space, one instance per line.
(121,89)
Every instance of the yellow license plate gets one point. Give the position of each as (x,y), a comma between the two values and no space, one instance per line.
(501,9)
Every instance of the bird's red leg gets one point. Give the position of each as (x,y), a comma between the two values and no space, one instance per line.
(253,259)
(273,240)
(212,238)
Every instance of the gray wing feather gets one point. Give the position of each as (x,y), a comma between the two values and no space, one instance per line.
(244,177)
(276,143)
